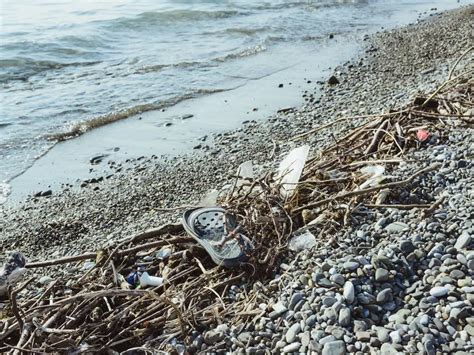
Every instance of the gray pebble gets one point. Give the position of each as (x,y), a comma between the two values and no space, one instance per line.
(337,347)
(292,333)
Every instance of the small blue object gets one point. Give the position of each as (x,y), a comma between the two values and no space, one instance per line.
(134,277)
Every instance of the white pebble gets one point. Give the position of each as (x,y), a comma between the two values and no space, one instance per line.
(439,291)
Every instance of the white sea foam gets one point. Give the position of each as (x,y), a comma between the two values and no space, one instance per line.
(5,190)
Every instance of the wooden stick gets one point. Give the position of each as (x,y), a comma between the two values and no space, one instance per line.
(369,190)
(387,161)
(433,207)
(44,329)
(15,311)
(168,228)
(64,260)
(442,86)
(12,296)
(458,60)
(23,337)
(345,119)
(379,133)
(100,294)
(400,207)
(93,255)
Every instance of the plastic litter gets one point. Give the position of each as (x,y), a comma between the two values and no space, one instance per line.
(373,170)
(163,253)
(375,174)
(210,199)
(142,278)
(290,169)
(218,232)
(12,270)
(303,241)
(244,172)
(134,277)
(422,135)
(147,280)
(88,265)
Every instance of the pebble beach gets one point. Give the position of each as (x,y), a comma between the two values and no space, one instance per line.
(394,281)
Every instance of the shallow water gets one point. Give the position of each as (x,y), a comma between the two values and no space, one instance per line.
(67,67)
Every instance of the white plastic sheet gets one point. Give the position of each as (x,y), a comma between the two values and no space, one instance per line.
(305,240)
(290,169)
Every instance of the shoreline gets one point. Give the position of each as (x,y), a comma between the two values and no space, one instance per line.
(231,147)
(194,174)
(396,66)
(165,133)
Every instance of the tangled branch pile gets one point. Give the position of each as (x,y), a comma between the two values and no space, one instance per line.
(95,310)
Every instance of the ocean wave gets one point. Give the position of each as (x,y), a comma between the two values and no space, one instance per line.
(158,67)
(246,52)
(23,68)
(154,18)
(79,128)
(269,6)
(242,53)
(248,31)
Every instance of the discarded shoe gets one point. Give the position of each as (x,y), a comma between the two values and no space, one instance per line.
(219,234)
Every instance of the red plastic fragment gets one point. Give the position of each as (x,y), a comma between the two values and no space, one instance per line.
(422,135)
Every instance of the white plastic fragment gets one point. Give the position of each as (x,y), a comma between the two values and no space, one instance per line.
(373,170)
(290,169)
(147,280)
(244,172)
(163,253)
(12,270)
(302,241)
(88,265)
(210,199)
(375,174)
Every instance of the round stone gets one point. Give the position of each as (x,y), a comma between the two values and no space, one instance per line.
(381,275)
(439,291)
(344,317)
(292,333)
(384,296)
(350,265)
(456,274)
(337,347)
(407,247)
(292,347)
(349,292)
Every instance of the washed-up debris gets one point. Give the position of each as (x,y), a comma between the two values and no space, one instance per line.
(290,169)
(374,174)
(299,242)
(88,265)
(146,280)
(97,310)
(12,270)
(134,277)
(210,199)
(422,135)
(218,232)
(164,254)
(245,173)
